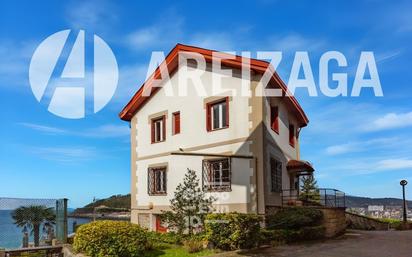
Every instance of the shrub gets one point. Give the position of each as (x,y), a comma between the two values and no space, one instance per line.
(193,244)
(293,235)
(166,238)
(230,231)
(294,218)
(111,239)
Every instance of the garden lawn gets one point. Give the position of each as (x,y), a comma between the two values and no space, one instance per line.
(169,250)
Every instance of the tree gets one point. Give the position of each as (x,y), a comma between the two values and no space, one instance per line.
(32,217)
(189,205)
(309,190)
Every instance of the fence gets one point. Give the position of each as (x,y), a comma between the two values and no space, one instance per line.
(327,197)
(32,222)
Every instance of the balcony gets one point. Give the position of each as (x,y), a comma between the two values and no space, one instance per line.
(326,197)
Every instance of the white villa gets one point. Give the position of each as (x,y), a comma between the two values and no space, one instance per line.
(245,149)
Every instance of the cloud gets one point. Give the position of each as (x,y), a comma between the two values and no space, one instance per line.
(391,121)
(90,14)
(221,41)
(14,63)
(360,146)
(295,42)
(43,128)
(63,154)
(103,131)
(165,32)
(395,164)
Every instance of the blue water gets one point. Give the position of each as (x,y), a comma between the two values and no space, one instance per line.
(11,235)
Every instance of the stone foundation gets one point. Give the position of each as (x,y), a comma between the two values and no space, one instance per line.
(361,222)
(334,221)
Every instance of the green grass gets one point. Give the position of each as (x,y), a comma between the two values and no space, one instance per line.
(167,250)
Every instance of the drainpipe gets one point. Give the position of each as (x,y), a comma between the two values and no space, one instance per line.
(297,144)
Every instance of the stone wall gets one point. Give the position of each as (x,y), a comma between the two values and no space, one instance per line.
(356,221)
(334,221)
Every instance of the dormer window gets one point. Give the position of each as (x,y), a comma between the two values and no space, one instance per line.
(158,129)
(217,115)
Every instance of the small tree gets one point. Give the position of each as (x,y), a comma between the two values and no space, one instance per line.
(189,204)
(33,217)
(309,190)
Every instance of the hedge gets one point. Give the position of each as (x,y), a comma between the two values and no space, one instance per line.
(229,231)
(291,235)
(294,218)
(111,239)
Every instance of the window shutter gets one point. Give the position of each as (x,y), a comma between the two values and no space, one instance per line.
(152,131)
(291,135)
(227,112)
(176,120)
(208,118)
(274,118)
(164,127)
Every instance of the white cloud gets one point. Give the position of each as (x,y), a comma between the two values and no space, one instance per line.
(394,164)
(90,14)
(164,33)
(220,41)
(103,131)
(390,121)
(63,154)
(360,146)
(43,128)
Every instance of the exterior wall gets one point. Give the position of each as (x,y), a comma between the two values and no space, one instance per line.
(277,146)
(334,221)
(193,138)
(356,221)
(249,134)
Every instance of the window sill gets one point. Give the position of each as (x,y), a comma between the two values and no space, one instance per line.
(215,190)
(158,142)
(212,130)
(157,194)
(275,130)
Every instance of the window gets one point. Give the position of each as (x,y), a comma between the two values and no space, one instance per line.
(217,115)
(176,123)
(157,181)
(216,175)
(274,118)
(276,175)
(292,135)
(158,129)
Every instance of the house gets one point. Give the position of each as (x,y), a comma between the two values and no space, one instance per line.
(245,149)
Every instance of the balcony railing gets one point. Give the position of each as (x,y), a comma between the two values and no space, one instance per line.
(327,197)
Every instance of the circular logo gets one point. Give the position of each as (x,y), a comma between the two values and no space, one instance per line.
(72,74)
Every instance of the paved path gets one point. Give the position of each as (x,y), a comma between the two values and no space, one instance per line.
(353,244)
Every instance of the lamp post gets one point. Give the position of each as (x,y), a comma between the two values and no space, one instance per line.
(403,184)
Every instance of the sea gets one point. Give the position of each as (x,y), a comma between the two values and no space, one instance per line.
(11,236)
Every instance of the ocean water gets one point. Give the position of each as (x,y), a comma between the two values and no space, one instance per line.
(11,235)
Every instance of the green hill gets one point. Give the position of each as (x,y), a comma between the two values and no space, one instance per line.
(112,204)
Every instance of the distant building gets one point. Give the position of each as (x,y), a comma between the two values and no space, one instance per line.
(375,208)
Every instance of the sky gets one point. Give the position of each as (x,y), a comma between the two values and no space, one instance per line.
(360,145)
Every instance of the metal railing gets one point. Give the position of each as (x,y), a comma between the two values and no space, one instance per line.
(327,197)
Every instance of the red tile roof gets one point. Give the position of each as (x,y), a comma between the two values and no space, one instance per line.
(171,62)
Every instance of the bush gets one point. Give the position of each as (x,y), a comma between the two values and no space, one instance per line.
(294,218)
(166,238)
(293,235)
(229,231)
(193,244)
(111,239)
